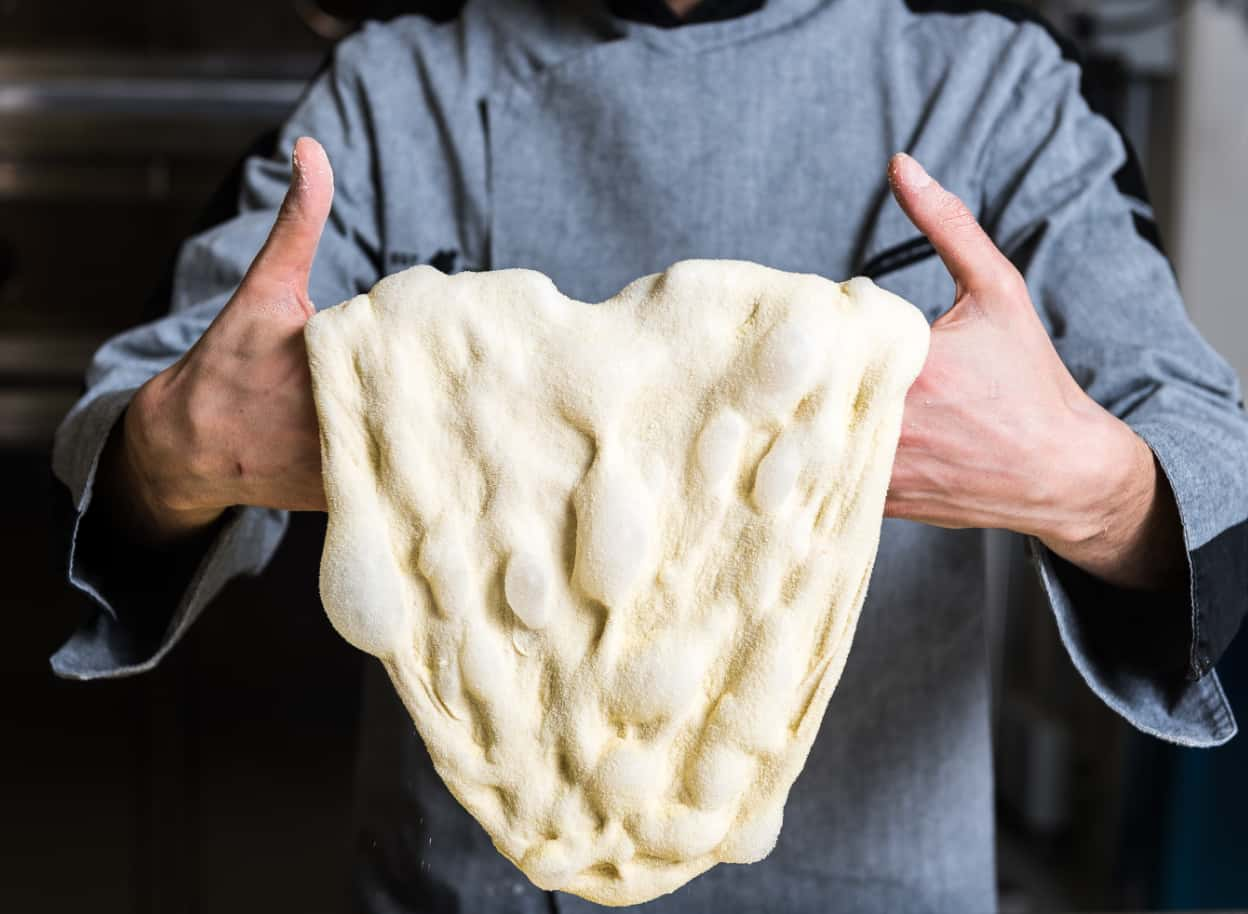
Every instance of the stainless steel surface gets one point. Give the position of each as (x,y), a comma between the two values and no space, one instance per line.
(48,62)
(106,162)
(137,787)
(184,86)
(153,179)
(29,415)
(42,356)
(159,96)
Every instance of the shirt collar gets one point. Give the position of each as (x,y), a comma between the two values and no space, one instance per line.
(657,12)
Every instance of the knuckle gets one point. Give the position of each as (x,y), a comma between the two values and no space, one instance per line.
(196,414)
(1007,282)
(202,434)
(145,405)
(1002,291)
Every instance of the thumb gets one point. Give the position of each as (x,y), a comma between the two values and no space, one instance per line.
(286,258)
(974,262)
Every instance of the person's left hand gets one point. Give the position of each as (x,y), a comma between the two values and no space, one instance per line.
(996,432)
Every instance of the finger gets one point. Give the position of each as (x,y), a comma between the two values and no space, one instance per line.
(974,262)
(287,255)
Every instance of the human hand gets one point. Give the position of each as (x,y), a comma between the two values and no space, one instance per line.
(996,432)
(233,421)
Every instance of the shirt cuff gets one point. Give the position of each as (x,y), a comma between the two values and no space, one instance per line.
(1217,559)
(1148,655)
(142,600)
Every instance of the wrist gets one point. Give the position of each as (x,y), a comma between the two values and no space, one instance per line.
(1102,469)
(1119,519)
(151,465)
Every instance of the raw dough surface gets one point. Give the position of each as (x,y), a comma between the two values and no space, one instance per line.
(611,555)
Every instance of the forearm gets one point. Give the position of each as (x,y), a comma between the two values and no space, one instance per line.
(1130,535)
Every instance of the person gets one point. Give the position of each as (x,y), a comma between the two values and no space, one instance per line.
(1066,396)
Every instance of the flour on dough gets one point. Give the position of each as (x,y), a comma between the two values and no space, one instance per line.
(611,555)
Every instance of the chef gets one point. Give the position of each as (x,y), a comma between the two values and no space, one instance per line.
(1065,397)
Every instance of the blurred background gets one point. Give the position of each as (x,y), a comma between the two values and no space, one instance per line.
(222,782)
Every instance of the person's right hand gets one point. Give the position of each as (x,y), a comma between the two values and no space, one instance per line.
(233,421)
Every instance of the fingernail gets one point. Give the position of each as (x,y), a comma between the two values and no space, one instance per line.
(909,172)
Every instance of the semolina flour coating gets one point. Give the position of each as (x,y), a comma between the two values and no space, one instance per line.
(612,556)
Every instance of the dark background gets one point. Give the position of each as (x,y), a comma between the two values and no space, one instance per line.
(222,781)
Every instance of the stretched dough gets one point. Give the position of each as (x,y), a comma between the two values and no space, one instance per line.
(611,555)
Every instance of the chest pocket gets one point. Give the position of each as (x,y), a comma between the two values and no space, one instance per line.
(912,269)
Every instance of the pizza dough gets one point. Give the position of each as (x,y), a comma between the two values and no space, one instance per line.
(611,555)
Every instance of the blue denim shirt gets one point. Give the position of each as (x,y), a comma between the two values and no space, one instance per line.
(597,149)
